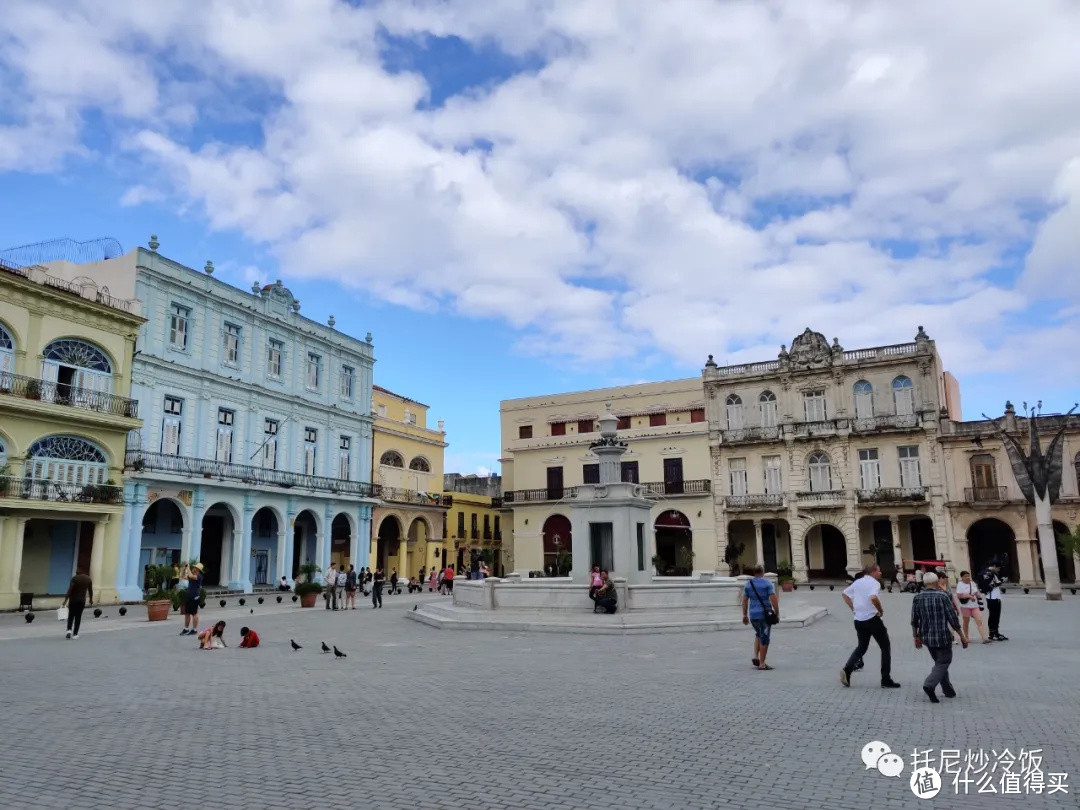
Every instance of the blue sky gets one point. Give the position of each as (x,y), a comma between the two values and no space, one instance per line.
(544,196)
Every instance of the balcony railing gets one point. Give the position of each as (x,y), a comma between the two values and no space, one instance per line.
(497,502)
(32,489)
(811,429)
(896,421)
(538,495)
(986,494)
(775,501)
(17,385)
(701,486)
(398,495)
(751,434)
(831,498)
(140,460)
(892,494)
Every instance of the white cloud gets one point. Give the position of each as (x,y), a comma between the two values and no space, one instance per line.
(689,176)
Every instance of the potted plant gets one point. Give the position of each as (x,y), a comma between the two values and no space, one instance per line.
(658,565)
(785,576)
(158,600)
(33,389)
(309,589)
(684,561)
(732,553)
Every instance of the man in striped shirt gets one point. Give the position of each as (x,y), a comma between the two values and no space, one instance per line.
(932,616)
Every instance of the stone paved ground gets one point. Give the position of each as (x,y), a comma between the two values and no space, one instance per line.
(421,718)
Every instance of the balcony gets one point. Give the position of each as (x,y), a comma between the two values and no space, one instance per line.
(891,422)
(31,489)
(812,430)
(398,495)
(497,502)
(893,495)
(747,503)
(702,486)
(538,495)
(16,385)
(833,499)
(986,494)
(143,461)
(752,434)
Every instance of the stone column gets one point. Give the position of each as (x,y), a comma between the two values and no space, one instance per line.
(97,554)
(722,567)
(362,541)
(242,565)
(284,556)
(1025,559)
(132,590)
(898,552)
(798,553)
(198,511)
(17,556)
(759,547)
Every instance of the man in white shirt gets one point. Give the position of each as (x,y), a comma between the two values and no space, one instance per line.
(862,597)
(330,581)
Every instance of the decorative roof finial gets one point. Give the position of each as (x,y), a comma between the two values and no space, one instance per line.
(209,268)
(255,288)
(921,334)
(295,304)
(367,338)
(154,243)
(331,321)
(710,363)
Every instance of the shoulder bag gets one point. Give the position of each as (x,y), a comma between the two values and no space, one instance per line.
(770,614)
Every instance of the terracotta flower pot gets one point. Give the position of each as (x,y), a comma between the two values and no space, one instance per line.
(787,586)
(308,600)
(158,611)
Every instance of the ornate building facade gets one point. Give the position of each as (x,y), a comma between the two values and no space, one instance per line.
(66,348)
(474,522)
(255,455)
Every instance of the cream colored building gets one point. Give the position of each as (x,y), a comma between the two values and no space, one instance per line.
(546,454)
(408,525)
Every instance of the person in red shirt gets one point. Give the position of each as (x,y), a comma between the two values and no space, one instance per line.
(249,638)
(448,578)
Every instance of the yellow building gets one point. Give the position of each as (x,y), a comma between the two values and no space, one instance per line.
(65,412)
(474,522)
(408,469)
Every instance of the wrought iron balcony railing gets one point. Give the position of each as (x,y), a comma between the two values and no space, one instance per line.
(702,486)
(17,385)
(897,421)
(775,501)
(835,497)
(892,494)
(497,502)
(538,495)
(986,494)
(140,460)
(811,429)
(33,489)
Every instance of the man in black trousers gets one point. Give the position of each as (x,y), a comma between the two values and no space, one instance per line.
(990,583)
(862,597)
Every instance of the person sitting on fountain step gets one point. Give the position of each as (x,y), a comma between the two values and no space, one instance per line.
(605,597)
(595,581)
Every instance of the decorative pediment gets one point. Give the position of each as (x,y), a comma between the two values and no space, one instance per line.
(279,294)
(809,350)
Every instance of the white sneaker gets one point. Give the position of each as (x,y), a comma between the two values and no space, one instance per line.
(75,636)
(68,634)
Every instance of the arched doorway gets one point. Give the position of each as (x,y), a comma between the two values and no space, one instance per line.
(417,549)
(215,550)
(388,546)
(1066,564)
(826,552)
(993,539)
(305,537)
(923,546)
(264,550)
(558,546)
(162,534)
(340,541)
(674,543)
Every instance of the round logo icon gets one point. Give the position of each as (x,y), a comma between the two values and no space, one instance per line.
(872,752)
(926,783)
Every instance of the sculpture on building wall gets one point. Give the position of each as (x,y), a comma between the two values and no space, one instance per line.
(1039,478)
(809,350)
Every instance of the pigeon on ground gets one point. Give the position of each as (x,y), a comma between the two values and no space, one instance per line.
(295,646)
(325,648)
(414,607)
(339,654)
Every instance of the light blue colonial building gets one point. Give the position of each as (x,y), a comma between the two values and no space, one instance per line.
(255,452)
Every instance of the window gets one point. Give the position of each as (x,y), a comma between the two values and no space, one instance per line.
(231,345)
(734,412)
(558,428)
(460,524)
(269,448)
(673,476)
(524,431)
(498,529)
(555,489)
(344,446)
(381,410)
(410,417)
(179,319)
(225,419)
(910,474)
(472,526)
(274,349)
(767,408)
(820,473)
(904,396)
(864,400)
(347,376)
(311,436)
(629,470)
(697,414)
(3,452)
(585,426)
(590,473)
(67,461)
(487,527)
(7,351)
(773,481)
(869,469)
(737,475)
(392,458)
(624,423)
(657,419)
(420,464)
(314,369)
(170,426)
(814,406)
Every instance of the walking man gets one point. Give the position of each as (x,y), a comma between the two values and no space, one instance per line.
(933,618)
(79,590)
(759,598)
(191,611)
(862,597)
(376,588)
(330,581)
(990,582)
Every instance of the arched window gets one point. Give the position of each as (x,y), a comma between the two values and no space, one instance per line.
(1076,469)
(420,463)
(392,458)
(864,400)
(7,351)
(67,460)
(904,396)
(3,452)
(820,472)
(734,412)
(767,407)
(72,363)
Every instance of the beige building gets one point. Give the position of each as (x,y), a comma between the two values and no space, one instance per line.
(546,454)
(474,522)
(409,524)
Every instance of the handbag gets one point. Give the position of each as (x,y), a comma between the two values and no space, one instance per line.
(61,614)
(770,614)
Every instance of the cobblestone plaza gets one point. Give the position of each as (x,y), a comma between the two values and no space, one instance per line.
(131,715)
